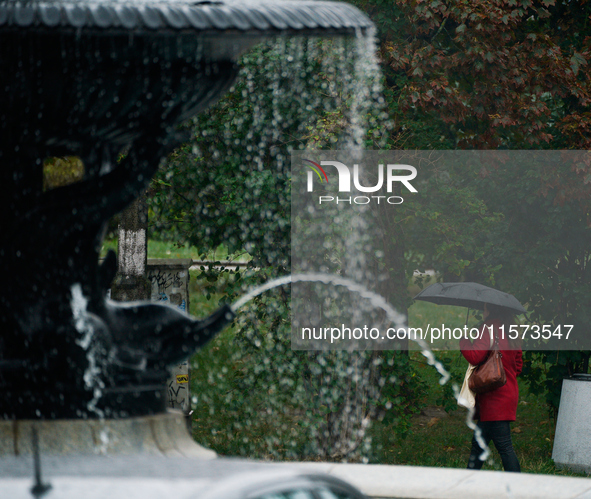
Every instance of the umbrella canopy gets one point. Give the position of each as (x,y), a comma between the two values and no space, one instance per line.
(469,294)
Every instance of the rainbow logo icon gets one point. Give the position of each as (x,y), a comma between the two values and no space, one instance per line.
(317,168)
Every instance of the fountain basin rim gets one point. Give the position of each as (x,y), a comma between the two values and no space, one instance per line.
(300,16)
(158,434)
(205,34)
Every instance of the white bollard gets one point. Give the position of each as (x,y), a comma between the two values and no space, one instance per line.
(572,440)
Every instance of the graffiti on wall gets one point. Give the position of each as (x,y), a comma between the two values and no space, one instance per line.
(178,388)
(170,285)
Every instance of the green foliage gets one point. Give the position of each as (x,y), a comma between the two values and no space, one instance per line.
(546,370)
(400,399)
(498,73)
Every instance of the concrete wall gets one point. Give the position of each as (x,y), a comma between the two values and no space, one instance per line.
(169,278)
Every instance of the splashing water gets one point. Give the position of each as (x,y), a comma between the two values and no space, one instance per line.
(104,440)
(377,301)
(84,325)
(318,97)
(366,89)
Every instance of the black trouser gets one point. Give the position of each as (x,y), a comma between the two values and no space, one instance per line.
(500,433)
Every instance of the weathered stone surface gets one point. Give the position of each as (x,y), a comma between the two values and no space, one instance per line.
(572,439)
(131,283)
(162,434)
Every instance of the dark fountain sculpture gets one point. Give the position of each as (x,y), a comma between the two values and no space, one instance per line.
(101,80)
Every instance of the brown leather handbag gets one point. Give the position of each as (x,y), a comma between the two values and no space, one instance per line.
(490,374)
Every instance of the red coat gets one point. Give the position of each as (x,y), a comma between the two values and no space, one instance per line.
(500,404)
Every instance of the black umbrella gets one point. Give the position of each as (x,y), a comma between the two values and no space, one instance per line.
(469,294)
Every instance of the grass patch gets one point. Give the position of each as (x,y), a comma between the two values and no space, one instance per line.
(163,249)
(422,313)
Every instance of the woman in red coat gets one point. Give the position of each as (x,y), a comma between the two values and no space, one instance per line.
(495,410)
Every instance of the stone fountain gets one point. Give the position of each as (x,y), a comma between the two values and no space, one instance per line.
(109,82)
